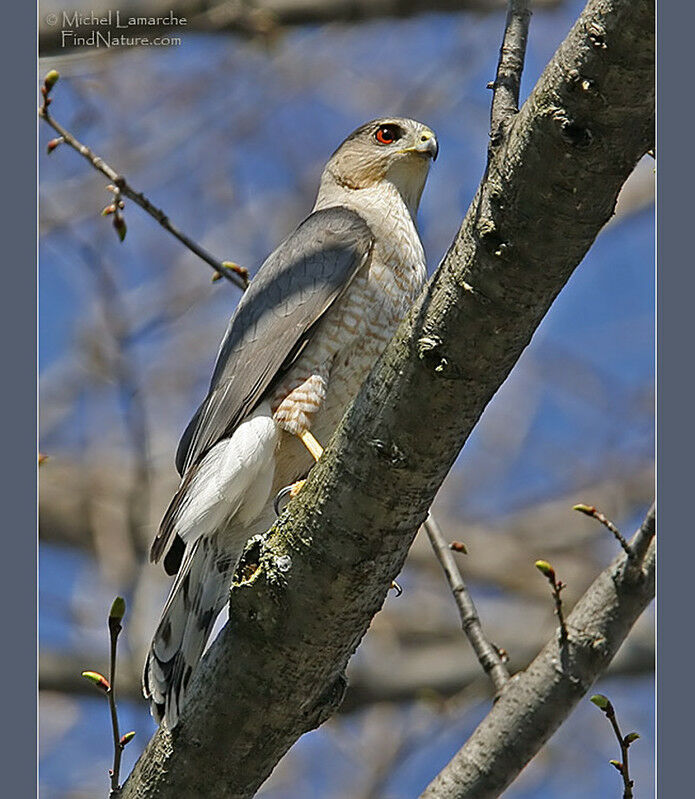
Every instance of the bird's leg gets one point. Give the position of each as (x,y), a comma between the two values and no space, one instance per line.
(291,491)
(315,449)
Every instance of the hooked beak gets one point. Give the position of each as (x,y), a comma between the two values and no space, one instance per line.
(427,146)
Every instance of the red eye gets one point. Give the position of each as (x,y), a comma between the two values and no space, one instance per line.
(385,135)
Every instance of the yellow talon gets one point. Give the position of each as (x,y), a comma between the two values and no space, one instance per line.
(295,488)
(290,492)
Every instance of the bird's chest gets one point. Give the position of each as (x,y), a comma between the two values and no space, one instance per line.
(355,330)
(380,295)
(369,312)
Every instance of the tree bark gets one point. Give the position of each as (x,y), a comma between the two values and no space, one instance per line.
(320,575)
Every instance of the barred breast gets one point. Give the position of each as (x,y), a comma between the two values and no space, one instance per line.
(354,332)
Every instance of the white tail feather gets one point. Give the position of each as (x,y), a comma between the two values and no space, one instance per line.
(218,512)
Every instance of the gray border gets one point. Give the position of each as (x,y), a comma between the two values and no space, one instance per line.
(18,353)
(676,399)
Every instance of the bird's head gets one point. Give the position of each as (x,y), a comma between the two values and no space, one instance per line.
(393,149)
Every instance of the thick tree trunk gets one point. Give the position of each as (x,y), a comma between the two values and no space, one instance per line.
(322,573)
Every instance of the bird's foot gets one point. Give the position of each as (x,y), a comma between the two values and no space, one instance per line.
(291,491)
(287,493)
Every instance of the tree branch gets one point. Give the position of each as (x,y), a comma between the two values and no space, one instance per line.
(505,97)
(642,539)
(624,742)
(537,700)
(235,274)
(323,571)
(488,657)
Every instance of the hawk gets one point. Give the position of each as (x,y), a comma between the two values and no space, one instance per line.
(301,342)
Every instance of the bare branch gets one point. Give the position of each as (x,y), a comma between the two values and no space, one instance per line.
(556,587)
(595,513)
(535,529)
(642,539)
(487,654)
(232,272)
(505,97)
(644,536)
(108,687)
(536,701)
(115,627)
(624,742)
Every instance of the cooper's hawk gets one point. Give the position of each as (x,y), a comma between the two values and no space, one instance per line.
(302,340)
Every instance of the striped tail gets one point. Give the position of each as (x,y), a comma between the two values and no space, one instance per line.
(198,595)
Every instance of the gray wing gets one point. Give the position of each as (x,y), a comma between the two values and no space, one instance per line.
(275,319)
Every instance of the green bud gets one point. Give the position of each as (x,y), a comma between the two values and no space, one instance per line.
(617,765)
(630,738)
(117,608)
(121,229)
(51,79)
(97,680)
(242,271)
(127,738)
(546,569)
(589,510)
(601,701)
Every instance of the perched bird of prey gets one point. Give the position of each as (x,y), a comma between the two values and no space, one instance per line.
(304,337)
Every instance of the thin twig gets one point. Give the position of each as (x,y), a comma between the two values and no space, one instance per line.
(109,688)
(635,549)
(556,586)
(505,98)
(487,654)
(115,627)
(232,272)
(590,510)
(624,741)
(624,770)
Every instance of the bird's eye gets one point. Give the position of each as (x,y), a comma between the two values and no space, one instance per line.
(386,134)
